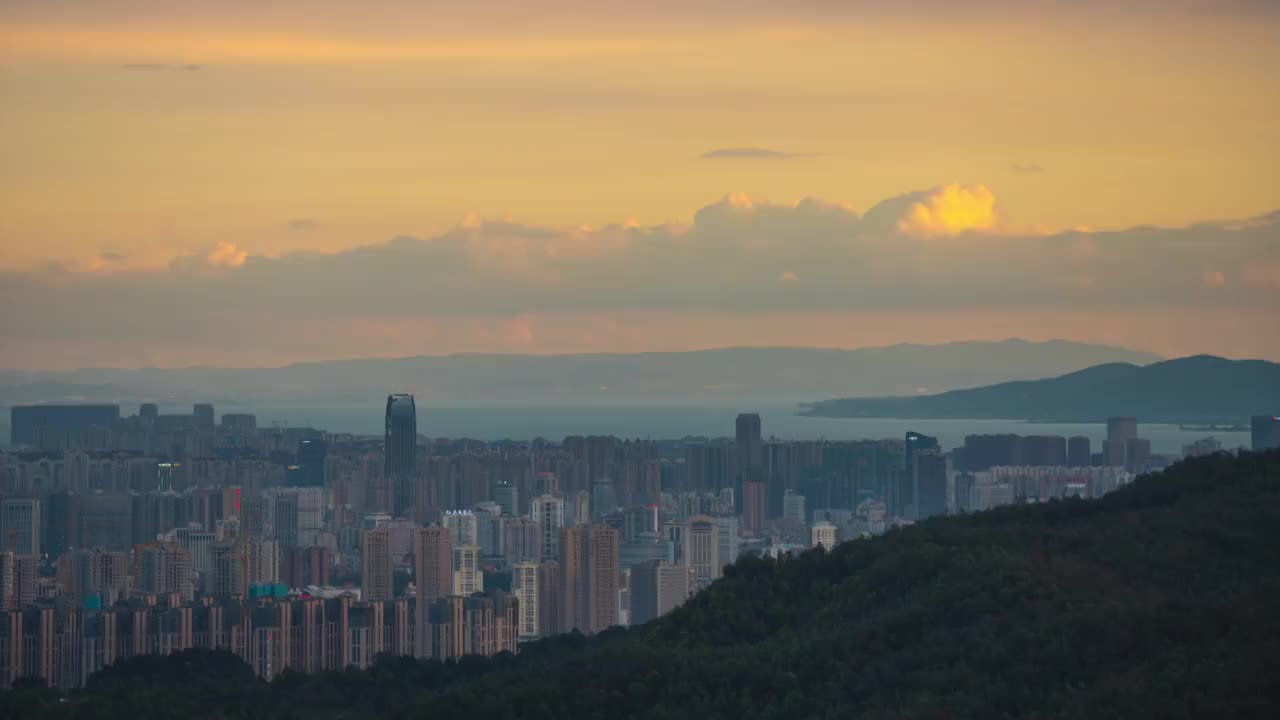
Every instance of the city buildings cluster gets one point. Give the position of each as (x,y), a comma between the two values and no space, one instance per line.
(297,548)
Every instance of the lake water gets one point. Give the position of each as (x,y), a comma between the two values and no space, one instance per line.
(666,422)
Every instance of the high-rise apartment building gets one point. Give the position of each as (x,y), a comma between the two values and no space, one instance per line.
(727,537)
(602,575)
(1120,430)
(571,550)
(657,588)
(930,486)
(754,506)
(467,576)
(462,523)
(508,498)
(521,540)
(376,570)
(433,576)
(548,511)
(401,451)
(524,585)
(165,568)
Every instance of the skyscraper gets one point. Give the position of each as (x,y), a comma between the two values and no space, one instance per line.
(1079,452)
(748,442)
(467,576)
(202,416)
(548,511)
(1120,430)
(793,507)
(753,505)
(400,449)
(748,452)
(570,548)
(20,526)
(823,533)
(904,500)
(524,584)
(375,553)
(930,486)
(602,572)
(433,576)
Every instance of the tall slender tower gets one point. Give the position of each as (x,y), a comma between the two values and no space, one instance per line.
(602,571)
(400,449)
(376,566)
(433,574)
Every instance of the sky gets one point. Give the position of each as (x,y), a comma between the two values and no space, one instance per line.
(248,183)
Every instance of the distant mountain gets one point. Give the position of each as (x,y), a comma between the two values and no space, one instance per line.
(1199,388)
(737,375)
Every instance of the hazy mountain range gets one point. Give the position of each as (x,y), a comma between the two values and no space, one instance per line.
(730,375)
(1200,388)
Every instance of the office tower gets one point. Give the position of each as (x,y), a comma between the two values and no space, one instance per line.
(728,539)
(148,412)
(433,577)
(312,454)
(462,523)
(602,574)
(202,416)
(903,504)
(524,584)
(1264,432)
(1079,452)
(548,579)
(657,588)
(165,568)
(20,526)
(793,507)
(548,511)
(508,498)
(748,442)
(571,548)
(754,506)
(467,576)
(376,571)
(401,451)
(823,533)
(284,520)
(930,486)
(521,540)
(702,550)
(253,517)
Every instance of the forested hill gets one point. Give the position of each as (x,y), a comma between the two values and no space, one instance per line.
(1158,600)
(1191,389)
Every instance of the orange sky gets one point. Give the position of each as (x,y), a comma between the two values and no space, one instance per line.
(137,135)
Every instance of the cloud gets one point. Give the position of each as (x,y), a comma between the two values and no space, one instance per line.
(951,210)
(741,256)
(222,256)
(754,153)
(161,67)
(1029,168)
(303,224)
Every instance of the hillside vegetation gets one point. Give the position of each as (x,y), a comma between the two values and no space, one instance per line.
(1159,600)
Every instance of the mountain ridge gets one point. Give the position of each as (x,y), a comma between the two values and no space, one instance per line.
(763,374)
(1194,388)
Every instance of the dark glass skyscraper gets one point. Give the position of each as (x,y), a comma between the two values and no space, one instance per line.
(904,502)
(401,445)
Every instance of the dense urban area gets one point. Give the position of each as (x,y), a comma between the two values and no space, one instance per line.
(301,550)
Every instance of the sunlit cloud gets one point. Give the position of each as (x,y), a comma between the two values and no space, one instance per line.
(950,210)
